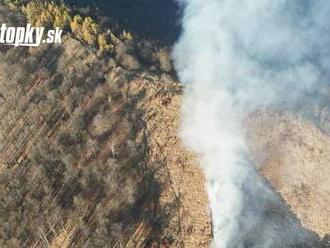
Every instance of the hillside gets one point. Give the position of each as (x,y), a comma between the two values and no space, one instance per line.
(73,156)
(293,154)
(84,157)
(90,154)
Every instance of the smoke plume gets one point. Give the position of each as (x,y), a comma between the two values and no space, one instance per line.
(236,56)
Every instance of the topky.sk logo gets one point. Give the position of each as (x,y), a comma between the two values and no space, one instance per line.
(29,36)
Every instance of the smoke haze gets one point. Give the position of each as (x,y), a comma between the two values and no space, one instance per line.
(236,57)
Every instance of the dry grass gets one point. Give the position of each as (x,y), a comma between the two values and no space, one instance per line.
(294,156)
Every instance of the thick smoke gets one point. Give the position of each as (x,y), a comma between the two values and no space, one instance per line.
(236,56)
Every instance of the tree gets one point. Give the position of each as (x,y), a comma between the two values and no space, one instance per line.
(90,30)
(47,14)
(75,25)
(104,43)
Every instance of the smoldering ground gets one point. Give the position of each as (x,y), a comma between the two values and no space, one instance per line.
(236,57)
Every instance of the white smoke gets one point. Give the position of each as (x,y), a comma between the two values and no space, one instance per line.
(236,56)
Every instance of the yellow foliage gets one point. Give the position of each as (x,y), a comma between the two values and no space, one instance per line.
(87,29)
(44,20)
(90,38)
(89,23)
(33,11)
(104,43)
(62,18)
(78,19)
(50,14)
(47,14)
(75,25)
(13,4)
(126,36)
